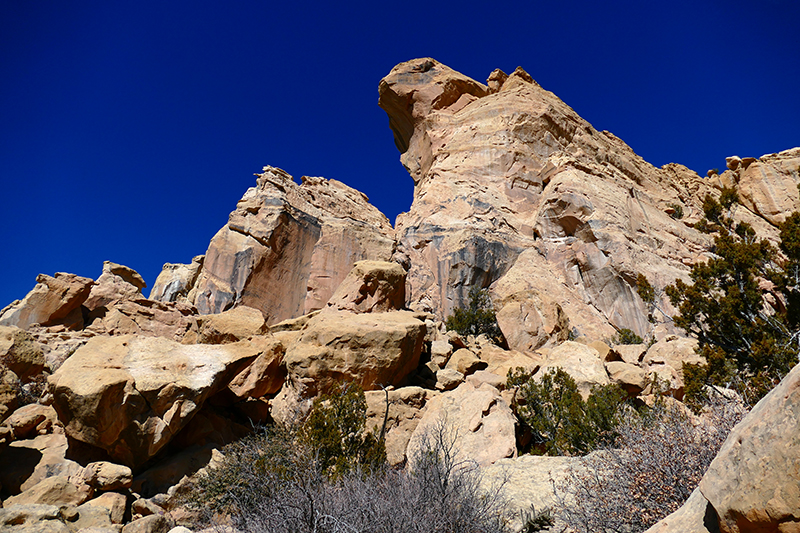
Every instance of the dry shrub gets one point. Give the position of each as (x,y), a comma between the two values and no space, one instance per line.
(656,463)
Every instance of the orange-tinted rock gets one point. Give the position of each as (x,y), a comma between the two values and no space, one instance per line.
(54,300)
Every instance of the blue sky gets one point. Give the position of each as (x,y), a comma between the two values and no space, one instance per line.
(128,131)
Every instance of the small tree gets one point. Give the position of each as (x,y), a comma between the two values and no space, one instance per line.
(561,423)
(478,318)
(749,341)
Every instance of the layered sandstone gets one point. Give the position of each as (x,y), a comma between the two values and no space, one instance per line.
(285,249)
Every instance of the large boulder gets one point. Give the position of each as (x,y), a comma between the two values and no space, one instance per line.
(231,326)
(477,419)
(581,362)
(406,406)
(129,395)
(287,247)
(20,352)
(139,316)
(176,280)
(116,282)
(371,349)
(54,300)
(372,286)
(754,482)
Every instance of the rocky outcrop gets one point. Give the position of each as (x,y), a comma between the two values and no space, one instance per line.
(116,282)
(54,300)
(477,419)
(287,247)
(767,186)
(129,395)
(406,406)
(516,192)
(176,280)
(372,286)
(231,326)
(752,484)
(20,353)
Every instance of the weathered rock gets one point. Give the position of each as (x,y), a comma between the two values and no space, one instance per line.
(754,483)
(767,186)
(20,352)
(117,282)
(287,247)
(500,361)
(448,379)
(633,354)
(9,392)
(371,349)
(54,300)
(441,350)
(105,476)
(176,280)
(406,406)
(478,419)
(150,524)
(579,361)
(265,375)
(29,461)
(30,420)
(631,378)
(28,516)
(695,516)
(231,326)
(54,490)
(372,286)
(465,362)
(113,502)
(130,395)
(139,316)
(673,351)
(514,191)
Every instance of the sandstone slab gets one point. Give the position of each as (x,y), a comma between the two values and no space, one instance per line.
(371,286)
(54,299)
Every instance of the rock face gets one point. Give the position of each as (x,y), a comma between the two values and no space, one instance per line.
(176,280)
(287,247)
(54,299)
(130,395)
(516,192)
(117,282)
(372,286)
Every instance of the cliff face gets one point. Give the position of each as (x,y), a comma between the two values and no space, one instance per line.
(516,192)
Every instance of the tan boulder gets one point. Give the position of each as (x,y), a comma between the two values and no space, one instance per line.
(579,361)
(287,247)
(768,185)
(176,280)
(265,375)
(150,524)
(30,420)
(406,407)
(103,513)
(371,286)
(631,378)
(20,352)
(465,362)
(54,300)
(27,462)
(478,419)
(441,350)
(231,326)
(754,483)
(633,354)
(31,517)
(448,379)
(129,395)
(105,476)
(54,490)
(371,349)
(530,320)
(117,282)
(690,518)
(500,361)
(673,351)
(10,387)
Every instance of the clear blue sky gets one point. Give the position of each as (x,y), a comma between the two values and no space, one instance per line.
(128,130)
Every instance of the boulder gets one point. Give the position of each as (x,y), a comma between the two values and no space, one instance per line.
(150,524)
(129,395)
(31,517)
(176,280)
(105,476)
(631,378)
(673,351)
(478,420)
(465,362)
(116,282)
(579,361)
(27,462)
(20,352)
(371,349)
(448,379)
(694,516)
(54,300)
(113,502)
(406,406)
(287,247)
(231,326)
(371,286)
(54,490)
(754,483)
(139,316)
(441,350)
(265,375)
(768,185)
(31,420)
(10,387)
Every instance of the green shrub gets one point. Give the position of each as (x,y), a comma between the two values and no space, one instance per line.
(561,422)
(478,318)
(677,211)
(335,430)
(626,336)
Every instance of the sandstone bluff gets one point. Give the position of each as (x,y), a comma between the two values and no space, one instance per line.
(111,401)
